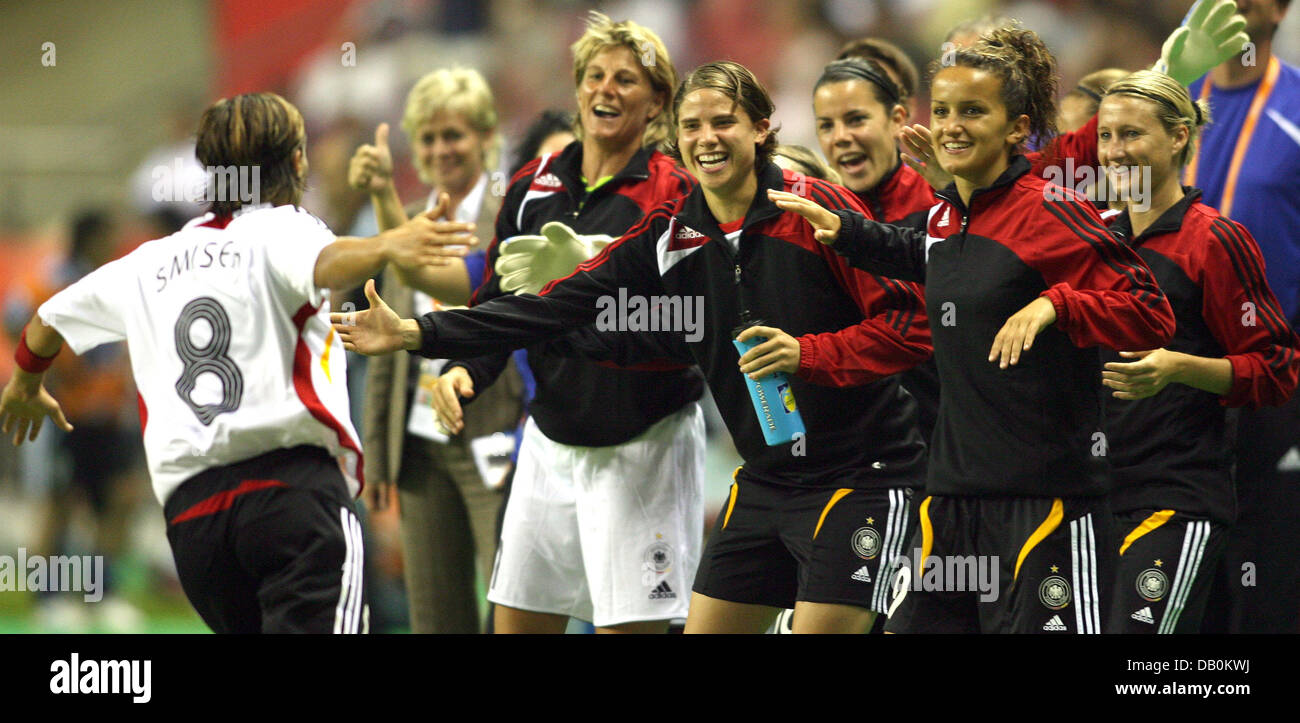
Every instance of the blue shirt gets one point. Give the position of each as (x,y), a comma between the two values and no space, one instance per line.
(476,267)
(1267,199)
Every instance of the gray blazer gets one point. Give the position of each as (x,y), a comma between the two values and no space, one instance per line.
(384,410)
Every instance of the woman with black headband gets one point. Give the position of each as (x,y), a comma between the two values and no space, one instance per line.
(859,112)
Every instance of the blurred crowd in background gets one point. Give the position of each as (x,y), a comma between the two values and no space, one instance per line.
(100,103)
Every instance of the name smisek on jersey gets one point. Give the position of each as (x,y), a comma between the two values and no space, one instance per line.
(230,342)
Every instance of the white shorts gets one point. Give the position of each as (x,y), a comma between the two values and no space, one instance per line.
(610,535)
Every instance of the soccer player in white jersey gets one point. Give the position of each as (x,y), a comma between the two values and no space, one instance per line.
(243,396)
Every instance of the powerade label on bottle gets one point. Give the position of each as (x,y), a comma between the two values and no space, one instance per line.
(773,399)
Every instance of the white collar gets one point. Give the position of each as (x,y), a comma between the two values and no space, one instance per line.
(208,215)
(469,208)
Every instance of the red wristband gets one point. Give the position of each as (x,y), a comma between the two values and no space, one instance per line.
(28,360)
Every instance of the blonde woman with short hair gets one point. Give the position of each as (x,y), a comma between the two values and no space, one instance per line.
(448,508)
(605,519)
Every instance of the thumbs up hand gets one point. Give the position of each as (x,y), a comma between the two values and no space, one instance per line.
(371,168)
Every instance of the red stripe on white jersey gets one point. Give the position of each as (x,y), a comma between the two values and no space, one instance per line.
(217,222)
(307,393)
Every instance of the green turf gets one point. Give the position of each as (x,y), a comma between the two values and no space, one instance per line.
(162,604)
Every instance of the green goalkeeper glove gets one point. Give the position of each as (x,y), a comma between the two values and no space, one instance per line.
(1211,34)
(528,263)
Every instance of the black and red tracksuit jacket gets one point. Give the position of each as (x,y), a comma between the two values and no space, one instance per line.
(577,401)
(1175,450)
(1031,429)
(904,198)
(901,198)
(1079,145)
(856,330)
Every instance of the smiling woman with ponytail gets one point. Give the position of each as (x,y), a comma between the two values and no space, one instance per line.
(1168,415)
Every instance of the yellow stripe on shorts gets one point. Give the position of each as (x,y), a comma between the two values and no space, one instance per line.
(927,532)
(1149,524)
(1049,525)
(731,501)
(839,495)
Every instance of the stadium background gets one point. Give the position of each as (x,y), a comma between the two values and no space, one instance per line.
(85,123)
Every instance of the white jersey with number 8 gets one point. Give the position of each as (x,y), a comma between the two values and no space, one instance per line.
(230,342)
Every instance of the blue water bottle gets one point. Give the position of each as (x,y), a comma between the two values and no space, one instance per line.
(773,399)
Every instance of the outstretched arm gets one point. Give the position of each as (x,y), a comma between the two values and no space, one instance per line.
(1099,293)
(420,242)
(879,248)
(25,403)
(448,280)
(511,322)
(893,335)
(502,324)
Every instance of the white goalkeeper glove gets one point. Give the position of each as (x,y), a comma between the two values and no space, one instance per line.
(1212,33)
(528,263)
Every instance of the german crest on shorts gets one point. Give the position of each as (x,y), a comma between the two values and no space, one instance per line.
(1054,592)
(659,556)
(866,543)
(1152,584)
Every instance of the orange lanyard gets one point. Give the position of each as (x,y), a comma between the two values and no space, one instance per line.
(1243,137)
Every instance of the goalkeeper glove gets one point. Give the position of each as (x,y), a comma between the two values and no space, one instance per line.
(1211,33)
(528,263)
